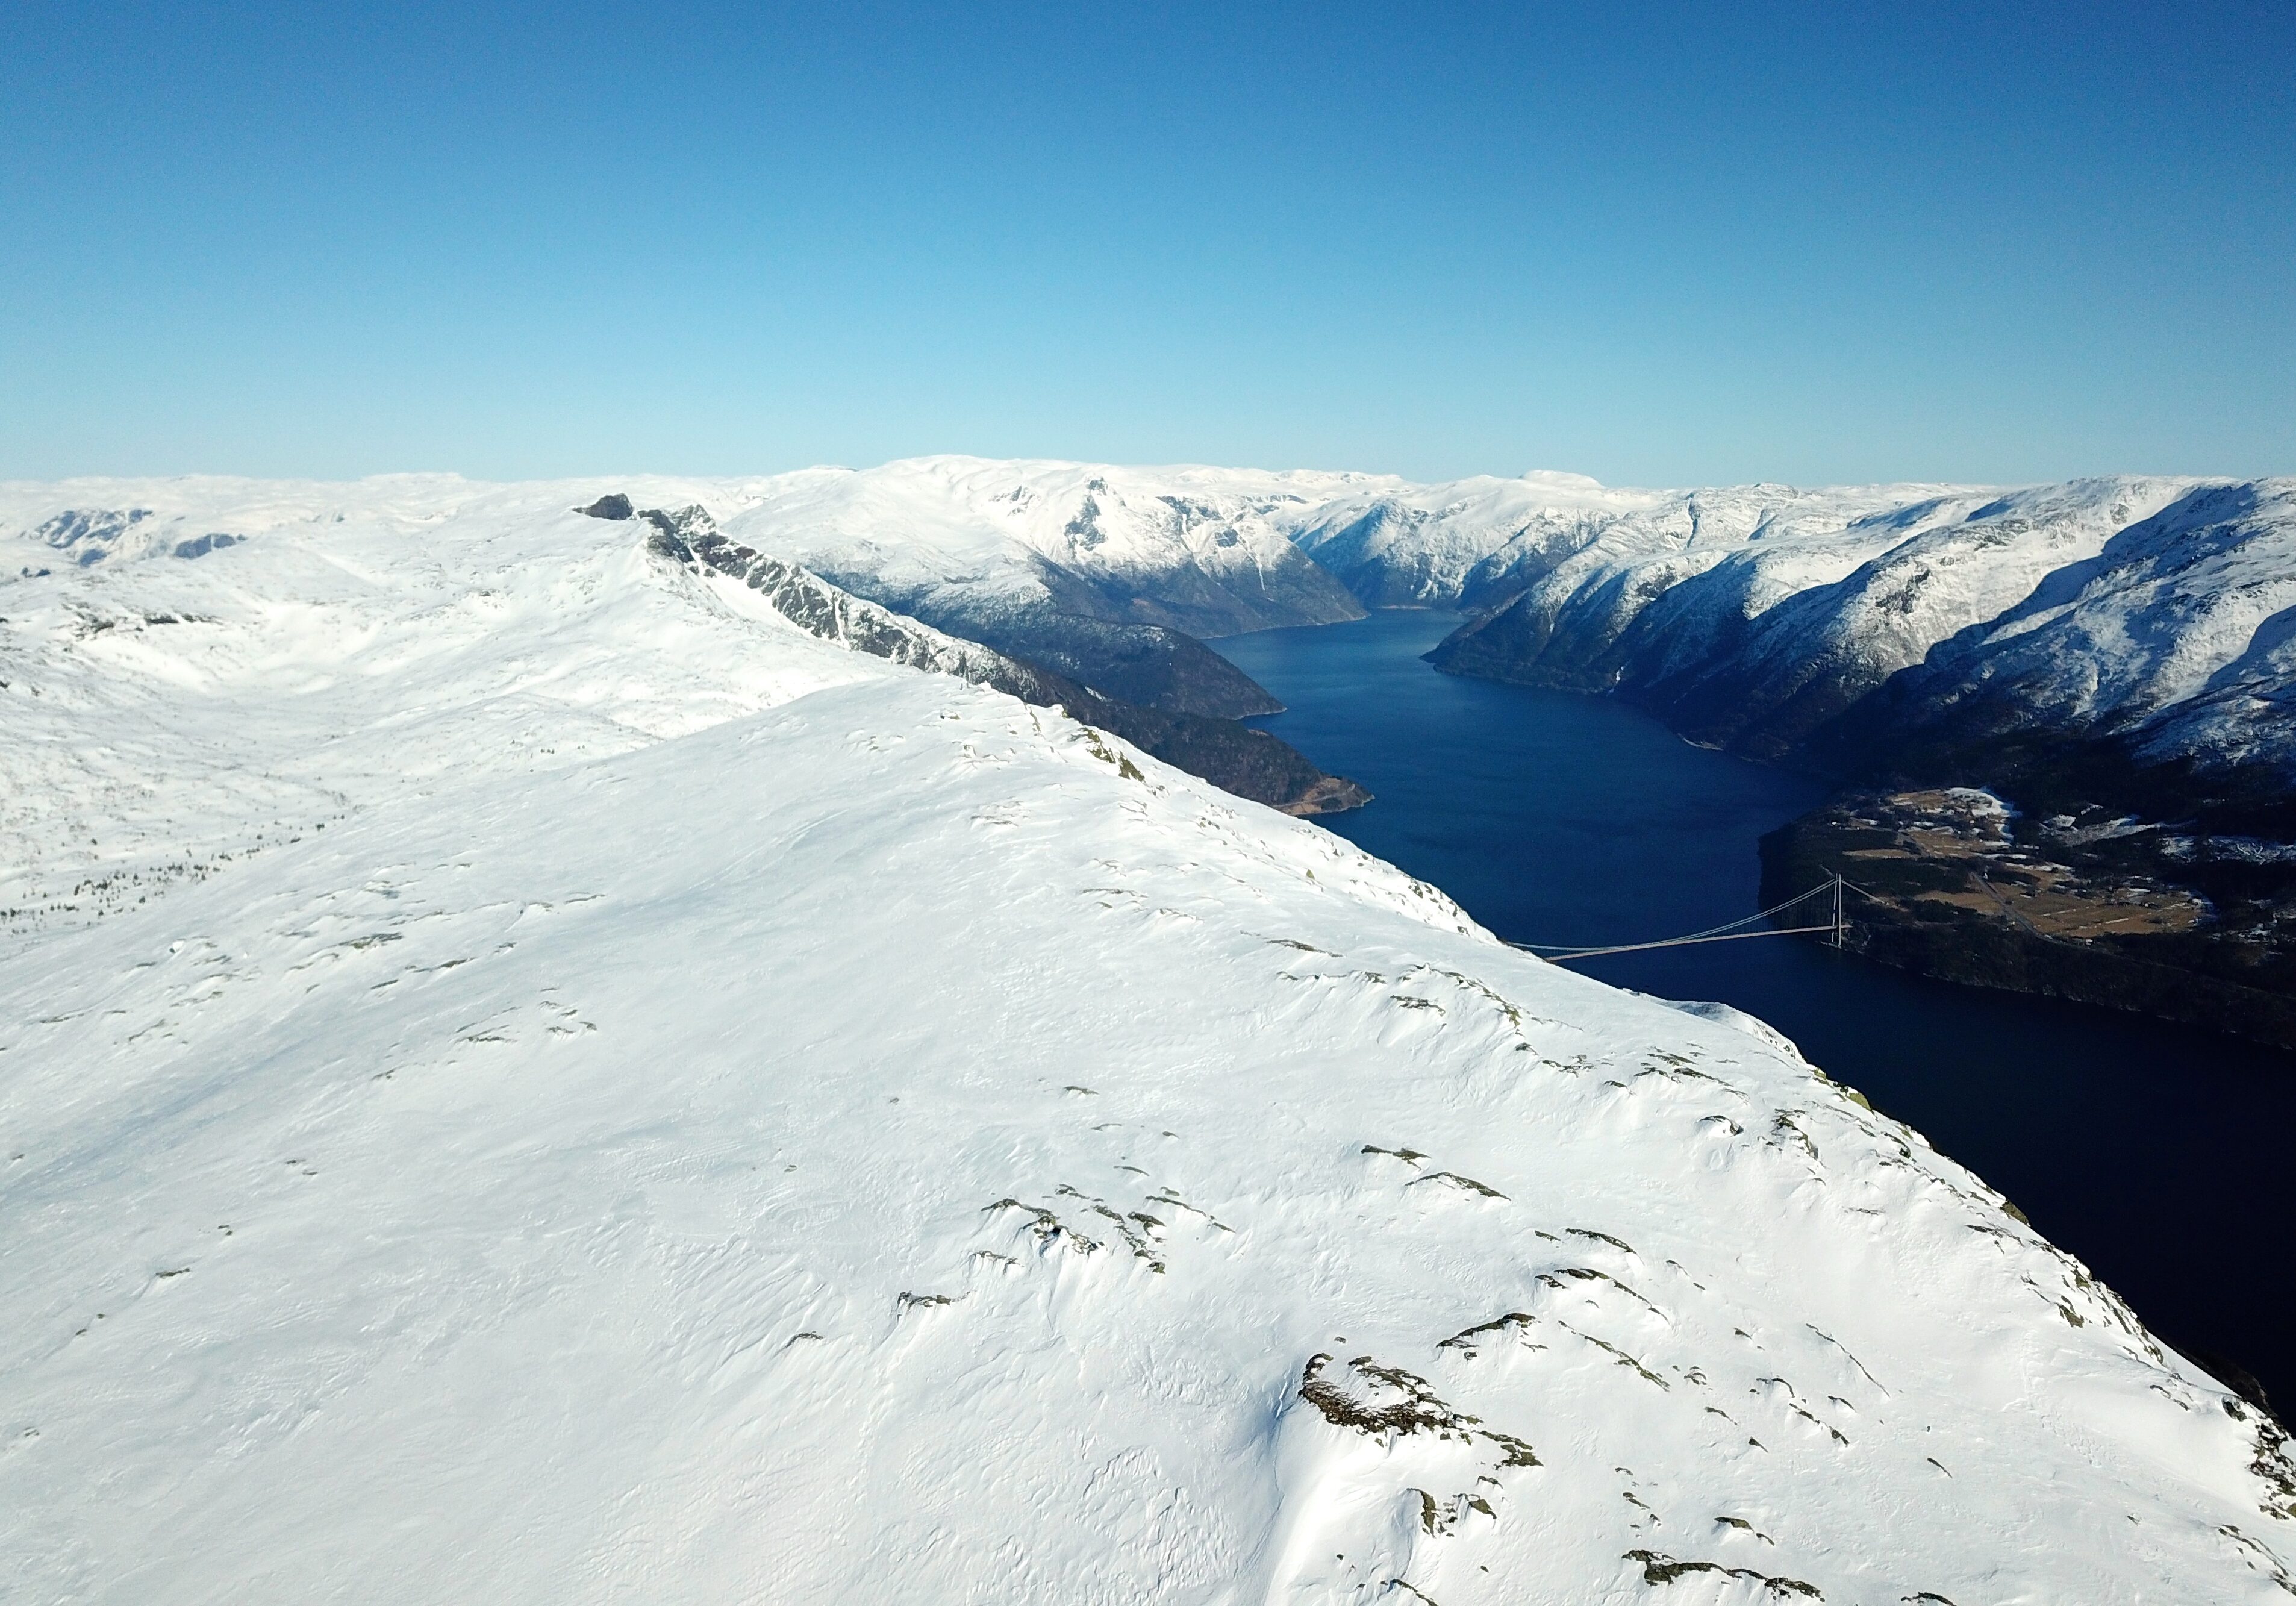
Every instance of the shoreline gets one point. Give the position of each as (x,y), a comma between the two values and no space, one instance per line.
(1960,918)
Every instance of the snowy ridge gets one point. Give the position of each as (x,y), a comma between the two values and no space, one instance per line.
(1251,764)
(168,717)
(717,1116)
(1204,550)
(690,538)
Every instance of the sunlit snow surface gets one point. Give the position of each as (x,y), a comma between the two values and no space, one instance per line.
(715,1117)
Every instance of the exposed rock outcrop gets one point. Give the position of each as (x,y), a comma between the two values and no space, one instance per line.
(1251,764)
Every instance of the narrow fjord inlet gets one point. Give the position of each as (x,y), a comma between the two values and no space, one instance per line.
(2155,1154)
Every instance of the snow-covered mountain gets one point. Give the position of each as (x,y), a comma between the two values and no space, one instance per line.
(1754,634)
(1106,574)
(2174,638)
(1453,544)
(534,1070)
(1203,550)
(1763,618)
(2142,612)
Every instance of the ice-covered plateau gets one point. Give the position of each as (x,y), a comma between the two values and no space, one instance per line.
(531,1073)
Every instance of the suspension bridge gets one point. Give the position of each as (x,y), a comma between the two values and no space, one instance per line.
(1835,929)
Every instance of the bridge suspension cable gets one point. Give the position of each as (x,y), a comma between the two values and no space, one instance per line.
(1730,931)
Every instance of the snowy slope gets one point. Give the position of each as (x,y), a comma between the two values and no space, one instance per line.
(165,717)
(1199,550)
(2176,633)
(1440,546)
(718,1117)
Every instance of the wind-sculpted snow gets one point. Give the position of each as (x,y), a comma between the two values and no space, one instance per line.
(719,1116)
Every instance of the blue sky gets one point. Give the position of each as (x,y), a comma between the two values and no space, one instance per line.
(1657,244)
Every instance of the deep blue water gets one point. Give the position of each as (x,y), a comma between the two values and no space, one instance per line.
(2157,1154)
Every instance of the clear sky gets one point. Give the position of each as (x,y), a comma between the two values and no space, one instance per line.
(1657,244)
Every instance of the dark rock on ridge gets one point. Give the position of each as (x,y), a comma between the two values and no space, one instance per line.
(1133,649)
(89,535)
(1079,630)
(1251,764)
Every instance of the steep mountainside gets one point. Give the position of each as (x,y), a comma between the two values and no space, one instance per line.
(1756,640)
(1251,764)
(2114,656)
(1105,575)
(535,1072)
(1474,543)
(2031,629)
(2173,639)
(1450,544)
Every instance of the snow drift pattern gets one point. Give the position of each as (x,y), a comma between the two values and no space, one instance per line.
(714,1116)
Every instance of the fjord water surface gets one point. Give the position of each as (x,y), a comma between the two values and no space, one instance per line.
(2158,1155)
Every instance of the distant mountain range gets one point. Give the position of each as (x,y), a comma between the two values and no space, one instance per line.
(2141,624)
(2139,628)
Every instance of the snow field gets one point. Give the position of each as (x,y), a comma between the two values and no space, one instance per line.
(717,1118)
